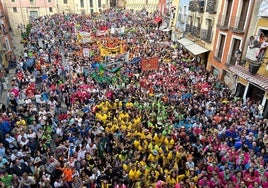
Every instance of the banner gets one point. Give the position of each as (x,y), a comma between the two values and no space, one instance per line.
(100,33)
(84,37)
(149,64)
(86,52)
(106,51)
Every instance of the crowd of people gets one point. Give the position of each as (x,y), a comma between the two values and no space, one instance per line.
(70,122)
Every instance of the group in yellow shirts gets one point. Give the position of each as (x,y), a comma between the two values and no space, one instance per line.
(150,155)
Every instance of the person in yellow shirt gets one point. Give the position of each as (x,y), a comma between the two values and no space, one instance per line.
(158,138)
(172,178)
(129,105)
(153,156)
(169,141)
(132,173)
(152,178)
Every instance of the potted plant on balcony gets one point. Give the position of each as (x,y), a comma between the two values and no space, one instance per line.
(254,66)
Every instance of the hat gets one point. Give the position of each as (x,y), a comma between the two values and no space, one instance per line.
(154,152)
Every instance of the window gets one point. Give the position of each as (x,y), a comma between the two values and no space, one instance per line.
(14,9)
(198,21)
(49,1)
(91,3)
(99,3)
(243,15)
(50,9)
(65,1)
(91,11)
(31,1)
(12,0)
(82,5)
(236,46)
(228,12)
(221,45)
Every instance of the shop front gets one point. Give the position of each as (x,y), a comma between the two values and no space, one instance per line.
(251,86)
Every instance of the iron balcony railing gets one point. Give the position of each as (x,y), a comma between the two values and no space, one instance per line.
(218,54)
(197,5)
(238,24)
(223,22)
(231,61)
(188,28)
(211,6)
(196,31)
(206,35)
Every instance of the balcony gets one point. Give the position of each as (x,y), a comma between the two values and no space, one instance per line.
(201,6)
(218,54)
(192,6)
(238,24)
(181,18)
(206,35)
(223,22)
(211,6)
(197,5)
(231,61)
(188,28)
(196,31)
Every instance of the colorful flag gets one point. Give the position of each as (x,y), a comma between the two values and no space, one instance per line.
(149,64)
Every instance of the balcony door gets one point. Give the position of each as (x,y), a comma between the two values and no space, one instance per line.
(243,14)
(228,12)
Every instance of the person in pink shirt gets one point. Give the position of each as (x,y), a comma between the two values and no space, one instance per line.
(249,176)
(204,182)
(237,178)
(225,176)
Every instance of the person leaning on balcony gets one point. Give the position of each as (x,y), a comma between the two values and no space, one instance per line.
(263,47)
(253,42)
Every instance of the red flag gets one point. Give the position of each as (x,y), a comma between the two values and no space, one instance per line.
(149,64)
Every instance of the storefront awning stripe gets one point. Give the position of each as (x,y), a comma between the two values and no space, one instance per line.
(261,81)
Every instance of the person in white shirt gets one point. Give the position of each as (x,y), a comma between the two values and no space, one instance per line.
(11,141)
(58,182)
(81,153)
(91,148)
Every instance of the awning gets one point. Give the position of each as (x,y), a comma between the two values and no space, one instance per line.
(194,48)
(257,79)
(157,20)
(185,41)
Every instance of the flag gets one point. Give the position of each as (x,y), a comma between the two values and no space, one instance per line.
(101,69)
(149,64)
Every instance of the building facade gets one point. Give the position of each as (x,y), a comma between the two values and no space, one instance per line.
(195,26)
(251,70)
(20,12)
(137,5)
(233,25)
(6,45)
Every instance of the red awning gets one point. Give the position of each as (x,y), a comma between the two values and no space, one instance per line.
(157,20)
(262,81)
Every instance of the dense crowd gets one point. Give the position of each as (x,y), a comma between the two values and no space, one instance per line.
(70,124)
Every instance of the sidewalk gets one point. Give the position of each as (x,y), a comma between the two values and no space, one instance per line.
(17,51)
